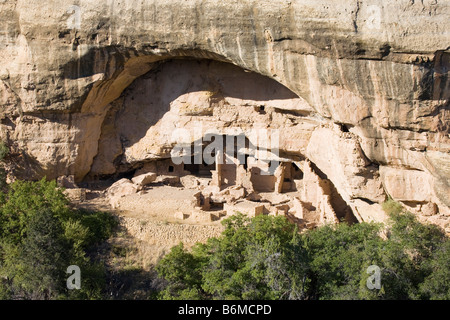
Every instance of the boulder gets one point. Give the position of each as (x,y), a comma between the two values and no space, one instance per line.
(120,189)
(76,194)
(144,179)
(407,185)
(366,212)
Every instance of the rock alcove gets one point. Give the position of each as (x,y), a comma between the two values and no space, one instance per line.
(199,96)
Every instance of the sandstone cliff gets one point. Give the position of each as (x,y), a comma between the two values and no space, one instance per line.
(359,88)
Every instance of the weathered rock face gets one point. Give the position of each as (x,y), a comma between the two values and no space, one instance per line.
(368,98)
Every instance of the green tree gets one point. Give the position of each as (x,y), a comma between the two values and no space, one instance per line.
(406,255)
(38,265)
(436,285)
(339,256)
(40,236)
(267,258)
(259,258)
(23,200)
(181,270)
(256,258)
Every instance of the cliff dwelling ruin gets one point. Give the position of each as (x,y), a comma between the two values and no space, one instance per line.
(137,162)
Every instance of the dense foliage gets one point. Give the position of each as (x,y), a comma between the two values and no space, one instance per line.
(261,258)
(41,236)
(266,258)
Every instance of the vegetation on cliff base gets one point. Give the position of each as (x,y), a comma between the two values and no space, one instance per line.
(41,236)
(261,258)
(266,258)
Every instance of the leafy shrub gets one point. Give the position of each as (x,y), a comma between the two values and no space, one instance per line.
(40,236)
(25,199)
(100,225)
(253,259)
(266,258)
(339,256)
(407,255)
(392,207)
(436,285)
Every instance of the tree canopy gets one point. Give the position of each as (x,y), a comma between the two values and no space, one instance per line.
(41,236)
(267,258)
